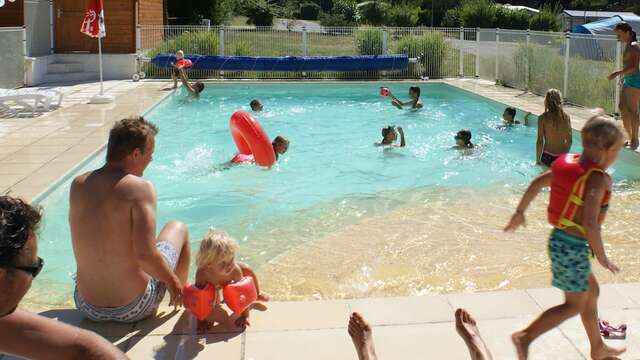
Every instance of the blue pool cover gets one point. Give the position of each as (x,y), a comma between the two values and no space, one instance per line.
(289,63)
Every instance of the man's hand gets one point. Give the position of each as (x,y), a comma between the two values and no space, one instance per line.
(263,297)
(243,320)
(608,265)
(516,221)
(175,290)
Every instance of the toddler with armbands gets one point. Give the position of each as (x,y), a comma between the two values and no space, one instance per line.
(218,269)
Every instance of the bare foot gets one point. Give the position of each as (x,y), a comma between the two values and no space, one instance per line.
(522,347)
(360,332)
(468,331)
(606,352)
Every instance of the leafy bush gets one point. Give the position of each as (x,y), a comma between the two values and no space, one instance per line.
(511,19)
(430,46)
(548,19)
(259,12)
(452,18)
(403,15)
(201,43)
(196,10)
(369,41)
(334,20)
(309,11)
(346,8)
(478,13)
(372,12)
(241,48)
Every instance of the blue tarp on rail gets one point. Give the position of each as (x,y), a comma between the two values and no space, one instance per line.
(289,63)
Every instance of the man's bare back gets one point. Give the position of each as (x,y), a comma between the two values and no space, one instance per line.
(123,269)
(100,217)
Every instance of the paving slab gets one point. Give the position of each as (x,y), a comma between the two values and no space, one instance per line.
(75,318)
(610,297)
(299,344)
(404,310)
(303,315)
(496,305)
(209,346)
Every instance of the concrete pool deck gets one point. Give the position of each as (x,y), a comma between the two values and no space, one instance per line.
(403,328)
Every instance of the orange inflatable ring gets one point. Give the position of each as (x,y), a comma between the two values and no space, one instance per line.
(185,63)
(240,295)
(199,301)
(251,139)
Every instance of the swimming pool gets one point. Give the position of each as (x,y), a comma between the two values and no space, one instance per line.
(338,216)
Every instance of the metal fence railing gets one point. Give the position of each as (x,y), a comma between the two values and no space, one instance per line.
(12,58)
(577,64)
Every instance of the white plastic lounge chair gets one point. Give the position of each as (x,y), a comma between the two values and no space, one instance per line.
(30,99)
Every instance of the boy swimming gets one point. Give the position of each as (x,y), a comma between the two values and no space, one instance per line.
(463,140)
(280,146)
(580,192)
(389,137)
(217,265)
(509,117)
(414,95)
(256,105)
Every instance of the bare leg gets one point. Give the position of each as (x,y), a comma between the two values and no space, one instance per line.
(599,350)
(175,79)
(178,235)
(468,331)
(633,106)
(360,332)
(574,304)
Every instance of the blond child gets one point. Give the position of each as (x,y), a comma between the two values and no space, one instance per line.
(580,192)
(217,266)
(176,73)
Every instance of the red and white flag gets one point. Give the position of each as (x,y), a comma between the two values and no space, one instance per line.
(93,23)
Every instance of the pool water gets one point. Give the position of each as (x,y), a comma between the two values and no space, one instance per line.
(334,198)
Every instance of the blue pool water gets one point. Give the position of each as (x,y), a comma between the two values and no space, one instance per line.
(331,176)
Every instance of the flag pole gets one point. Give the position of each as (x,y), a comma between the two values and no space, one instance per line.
(100,64)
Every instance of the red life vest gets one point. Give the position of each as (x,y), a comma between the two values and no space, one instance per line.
(568,182)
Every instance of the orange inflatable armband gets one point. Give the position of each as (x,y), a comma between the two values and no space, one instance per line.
(199,301)
(240,295)
(185,63)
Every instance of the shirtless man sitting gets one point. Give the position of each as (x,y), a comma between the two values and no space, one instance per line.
(122,268)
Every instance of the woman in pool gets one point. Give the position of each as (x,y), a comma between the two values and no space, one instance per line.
(554,130)
(389,137)
(630,99)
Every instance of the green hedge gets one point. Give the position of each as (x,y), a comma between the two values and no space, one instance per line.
(369,41)
(431,45)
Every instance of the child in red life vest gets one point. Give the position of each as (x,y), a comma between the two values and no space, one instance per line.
(217,266)
(580,192)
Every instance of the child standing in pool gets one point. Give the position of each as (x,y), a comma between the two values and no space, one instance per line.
(580,192)
(256,105)
(463,140)
(509,117)
(414,95)
(389,137)
(554,130)
(217,266)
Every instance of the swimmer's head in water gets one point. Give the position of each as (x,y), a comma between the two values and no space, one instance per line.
(604,136)
(256,105)
(414,92)
(463,138)
(179,54)
(509,114)
(625,32)
(280,144)
(553,101)
(198,87)
(389,135)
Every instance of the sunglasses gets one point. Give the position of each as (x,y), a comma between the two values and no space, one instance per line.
(34,269)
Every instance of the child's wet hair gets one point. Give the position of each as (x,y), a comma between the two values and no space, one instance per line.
(464,135)
(511,111)
(198,86)
(387,130)
(215,247)
(415,89)
(254,104)
(601,133)
(280,140)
